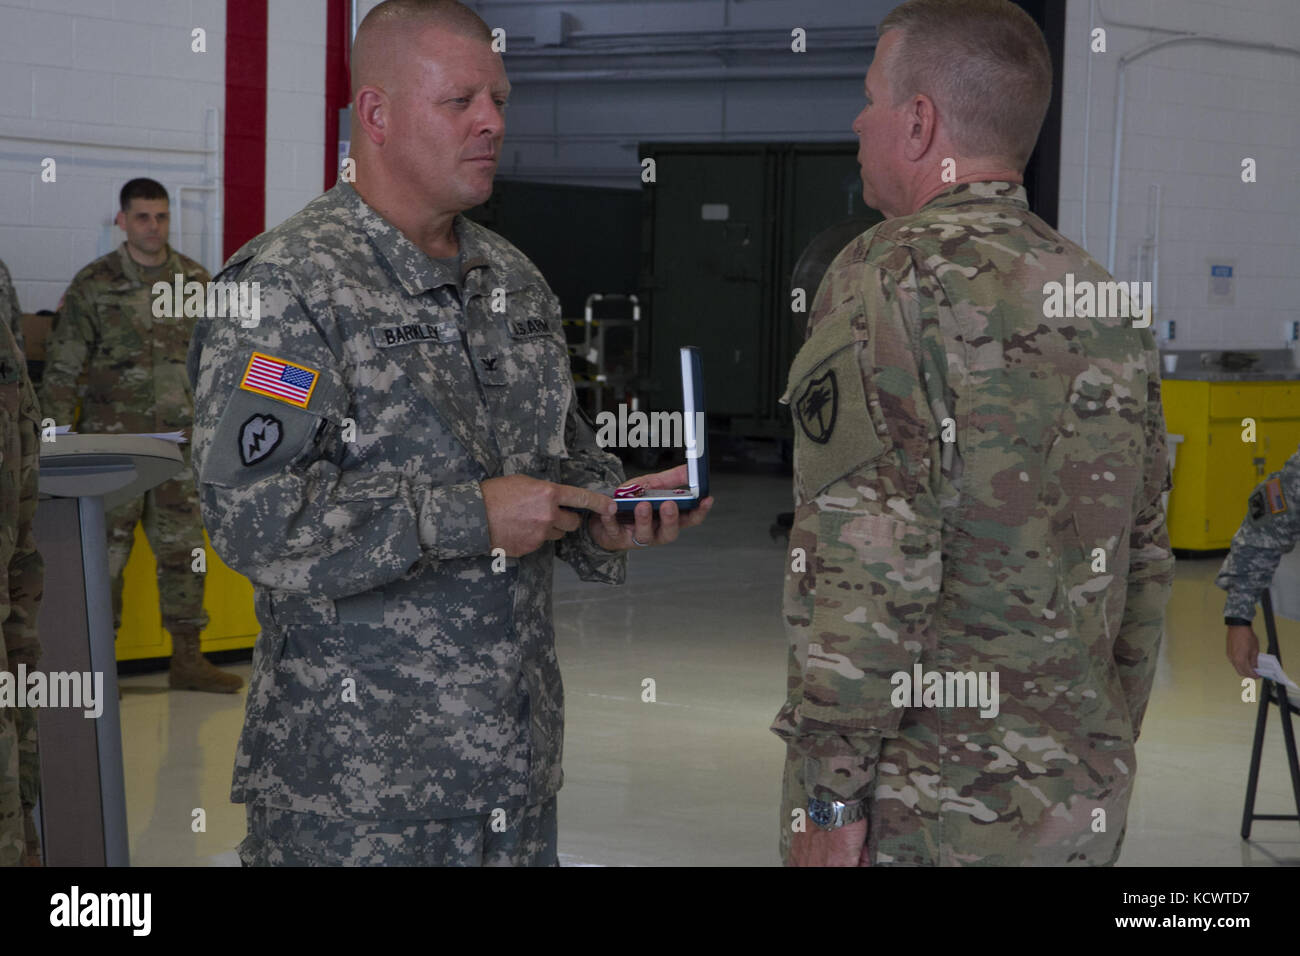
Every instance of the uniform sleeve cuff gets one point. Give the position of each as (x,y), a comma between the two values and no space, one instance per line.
(1239,604)
(840,768)
(453,522)
(589,560)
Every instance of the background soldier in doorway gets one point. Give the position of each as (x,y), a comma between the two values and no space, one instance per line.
(134,366)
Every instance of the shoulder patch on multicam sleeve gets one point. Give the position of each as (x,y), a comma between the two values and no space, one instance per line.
(834,431)
(817,408)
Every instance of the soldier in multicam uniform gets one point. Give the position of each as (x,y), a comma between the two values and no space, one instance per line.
(20,598)
(404,410)
(11,314)
(978,553)
(1268,531)
(134,365)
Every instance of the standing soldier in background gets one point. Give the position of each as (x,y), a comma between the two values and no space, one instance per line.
(135,368)
(961,461)
(1268,531)
(20,597)
(11,314)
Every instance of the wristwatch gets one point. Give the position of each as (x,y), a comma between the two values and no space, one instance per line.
(831,815)
(1236,622)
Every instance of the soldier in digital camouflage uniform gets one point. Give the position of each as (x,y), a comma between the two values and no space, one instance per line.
(404,407)
(134,364)
(1268,531)
(20,598)
(11,315)
(978,554)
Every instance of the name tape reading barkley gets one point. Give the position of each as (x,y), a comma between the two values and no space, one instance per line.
(389,336)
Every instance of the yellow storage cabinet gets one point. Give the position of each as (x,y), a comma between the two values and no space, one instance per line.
(227,596)
(1216,469)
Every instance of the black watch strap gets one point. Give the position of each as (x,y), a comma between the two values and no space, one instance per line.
(1236,622)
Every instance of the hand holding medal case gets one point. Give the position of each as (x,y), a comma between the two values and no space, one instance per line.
(696,438)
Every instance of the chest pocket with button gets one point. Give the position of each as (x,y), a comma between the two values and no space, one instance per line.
(523,364)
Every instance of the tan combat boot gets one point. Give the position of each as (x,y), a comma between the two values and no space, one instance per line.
(190,670)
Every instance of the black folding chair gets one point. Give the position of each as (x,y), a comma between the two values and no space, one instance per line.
(1271,693)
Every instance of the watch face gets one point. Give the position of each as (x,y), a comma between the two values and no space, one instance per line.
(821,812)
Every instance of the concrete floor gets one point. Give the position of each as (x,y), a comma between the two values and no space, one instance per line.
(693,779)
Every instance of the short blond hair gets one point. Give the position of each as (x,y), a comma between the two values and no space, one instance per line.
(985,65)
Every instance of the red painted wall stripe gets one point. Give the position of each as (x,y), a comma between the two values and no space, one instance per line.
(338,83)
(244,189)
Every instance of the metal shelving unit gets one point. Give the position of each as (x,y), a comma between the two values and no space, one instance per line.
(605,352)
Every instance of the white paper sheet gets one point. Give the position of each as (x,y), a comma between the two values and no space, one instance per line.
(1267,666)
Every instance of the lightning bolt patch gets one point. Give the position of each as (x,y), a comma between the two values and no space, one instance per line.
(258,437)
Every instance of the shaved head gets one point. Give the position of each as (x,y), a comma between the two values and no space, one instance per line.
(429,96)
(379,50)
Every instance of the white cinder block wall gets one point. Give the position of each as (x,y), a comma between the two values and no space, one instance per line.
(111,90)
(1193,112)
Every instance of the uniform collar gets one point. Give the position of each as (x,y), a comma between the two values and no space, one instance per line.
(1012,194)
(409,263)
(131,268)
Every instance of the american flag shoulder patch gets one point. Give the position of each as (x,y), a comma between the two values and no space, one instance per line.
(1276,500)
(279,378)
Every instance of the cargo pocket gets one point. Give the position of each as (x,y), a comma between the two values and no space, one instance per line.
(834,428)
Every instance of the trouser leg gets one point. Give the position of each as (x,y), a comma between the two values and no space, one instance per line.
(524,836)
(120,524)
